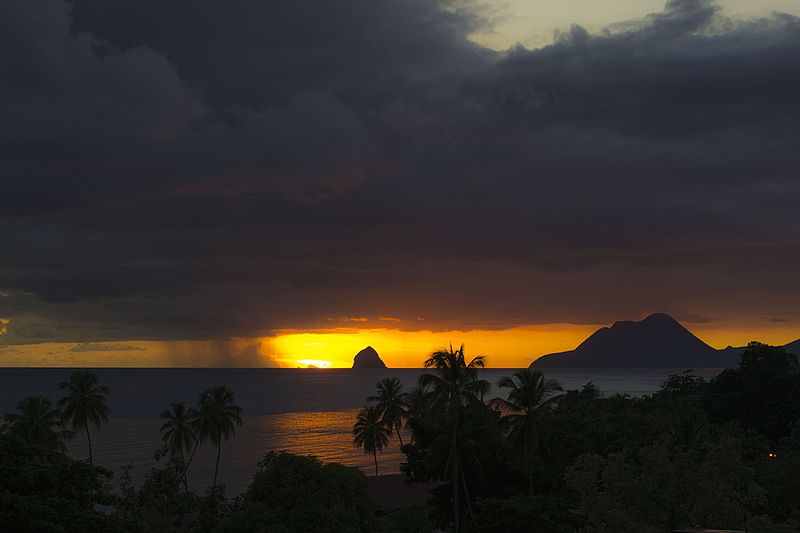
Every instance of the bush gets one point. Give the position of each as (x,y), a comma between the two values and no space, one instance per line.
(299,494)
(43,491)
(762,395)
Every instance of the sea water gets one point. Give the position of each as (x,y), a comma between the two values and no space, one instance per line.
(305,411)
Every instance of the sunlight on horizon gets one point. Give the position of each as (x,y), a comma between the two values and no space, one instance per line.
(513,347)
(335,348)
(315,363)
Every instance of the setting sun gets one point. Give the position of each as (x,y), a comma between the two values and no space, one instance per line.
(317,363)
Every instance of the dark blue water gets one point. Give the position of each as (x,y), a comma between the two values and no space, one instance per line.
(300,410)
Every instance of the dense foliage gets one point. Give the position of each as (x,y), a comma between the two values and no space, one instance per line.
(292,493)
(723,453)
(43,491)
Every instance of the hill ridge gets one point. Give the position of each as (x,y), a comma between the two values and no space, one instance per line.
(656,341)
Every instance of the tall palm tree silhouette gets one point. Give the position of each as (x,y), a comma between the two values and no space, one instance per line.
(36,423)
(216,421)
(529,391)
(177,434)
(392,404)
(371,433)
(455,384)
(420,404)
(84,404)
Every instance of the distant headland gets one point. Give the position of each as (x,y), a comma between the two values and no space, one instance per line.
(658,341)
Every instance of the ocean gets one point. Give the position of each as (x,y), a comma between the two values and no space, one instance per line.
(305,411)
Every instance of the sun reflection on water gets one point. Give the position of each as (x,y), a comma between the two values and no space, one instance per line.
(326,435)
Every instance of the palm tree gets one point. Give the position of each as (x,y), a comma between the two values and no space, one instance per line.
(392,403)
(419,403)
(177,434)
(455,385)
(418,414)
(529,392)
(217,419)
(36,423)
(371,432)
(84,404)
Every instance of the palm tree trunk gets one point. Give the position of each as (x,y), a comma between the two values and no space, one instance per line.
(196,444)
(216,468)
(527,455)
(466,496)
(528,462)
(89,438)
(455,480)
(375,456)
(185,477)
(530,481)
(397,428)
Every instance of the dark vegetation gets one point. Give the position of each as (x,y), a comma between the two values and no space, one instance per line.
(720,454)
(528,456)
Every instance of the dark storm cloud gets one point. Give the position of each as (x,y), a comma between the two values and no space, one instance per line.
(254,53)
(63,89)
(176,170)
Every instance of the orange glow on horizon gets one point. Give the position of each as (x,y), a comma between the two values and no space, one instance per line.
(513,347)
(723,336)
(335,348)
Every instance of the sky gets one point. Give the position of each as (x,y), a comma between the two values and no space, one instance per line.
(264,183)
(532,23)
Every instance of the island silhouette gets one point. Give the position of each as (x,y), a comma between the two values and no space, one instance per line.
(368,358)
(657,341)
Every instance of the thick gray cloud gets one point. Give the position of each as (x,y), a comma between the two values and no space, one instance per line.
(176,170)
(253,53)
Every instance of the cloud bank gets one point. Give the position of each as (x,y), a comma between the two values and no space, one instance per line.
(194,170)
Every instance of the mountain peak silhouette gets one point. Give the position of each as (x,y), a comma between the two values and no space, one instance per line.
(657,341)
(368,358)
(793,347)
